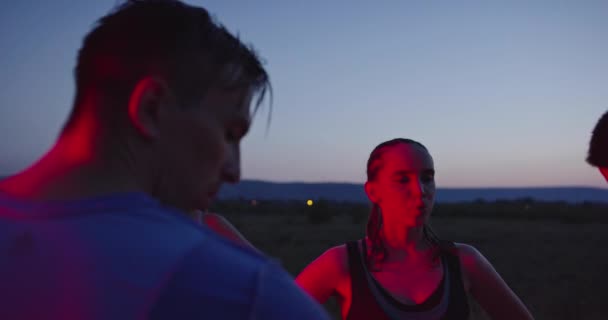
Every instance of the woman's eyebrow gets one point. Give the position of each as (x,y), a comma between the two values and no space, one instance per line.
(406,172)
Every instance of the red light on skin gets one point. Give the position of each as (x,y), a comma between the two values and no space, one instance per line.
(329,274)
(604,172)
(326,275)
(224,228)
(78,147)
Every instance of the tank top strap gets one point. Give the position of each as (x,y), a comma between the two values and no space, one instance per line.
(363,305)
(459,305)
(357,272)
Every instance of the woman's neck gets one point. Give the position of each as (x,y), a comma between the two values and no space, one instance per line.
(401,242)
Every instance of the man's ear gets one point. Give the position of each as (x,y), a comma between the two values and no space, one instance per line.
(370,190)
(146,104)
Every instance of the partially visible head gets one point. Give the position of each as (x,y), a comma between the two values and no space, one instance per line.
(163,78)
(401,186)
(597,155)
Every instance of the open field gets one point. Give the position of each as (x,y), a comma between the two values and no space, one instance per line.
(557,266)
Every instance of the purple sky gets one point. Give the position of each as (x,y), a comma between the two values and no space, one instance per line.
(501,94)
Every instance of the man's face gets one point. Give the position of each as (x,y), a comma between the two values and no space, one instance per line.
(604,172)
(200,148)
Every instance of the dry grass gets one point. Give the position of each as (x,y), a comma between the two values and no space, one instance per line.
(558,269)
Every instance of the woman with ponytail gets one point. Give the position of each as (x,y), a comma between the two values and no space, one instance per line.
(401,269)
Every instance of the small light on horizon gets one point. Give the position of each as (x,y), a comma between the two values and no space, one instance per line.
(309,203)
(254,203)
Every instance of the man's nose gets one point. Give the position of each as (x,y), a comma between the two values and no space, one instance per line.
(231,171)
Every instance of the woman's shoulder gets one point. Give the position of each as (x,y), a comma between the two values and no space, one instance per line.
(224,228)
(327,274)
(332,264)
(336,258)
(218,223)
(475,266)
(211,218)
(469,255)
(465,249)
(487,286)
(337,255)
(469,260)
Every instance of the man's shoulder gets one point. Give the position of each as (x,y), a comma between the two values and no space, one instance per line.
(221,279)
(214,279)
(215,259)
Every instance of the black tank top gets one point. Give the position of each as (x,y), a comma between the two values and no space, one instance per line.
(370,300)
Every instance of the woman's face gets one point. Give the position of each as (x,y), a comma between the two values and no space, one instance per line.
(404,187)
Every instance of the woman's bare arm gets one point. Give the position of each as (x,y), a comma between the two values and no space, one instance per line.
(489,289)
(322,276)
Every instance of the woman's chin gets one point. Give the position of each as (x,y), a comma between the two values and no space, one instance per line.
(415,222)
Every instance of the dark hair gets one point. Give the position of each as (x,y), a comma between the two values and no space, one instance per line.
(166,38)
(374,222)
(598,146)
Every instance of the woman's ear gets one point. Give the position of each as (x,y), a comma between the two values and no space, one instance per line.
(370,190)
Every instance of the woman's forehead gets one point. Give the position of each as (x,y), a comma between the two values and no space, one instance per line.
(407,157)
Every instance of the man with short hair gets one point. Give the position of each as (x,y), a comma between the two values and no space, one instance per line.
(96,228)
(597,155)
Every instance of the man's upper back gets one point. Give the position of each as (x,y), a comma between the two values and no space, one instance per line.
(124,256)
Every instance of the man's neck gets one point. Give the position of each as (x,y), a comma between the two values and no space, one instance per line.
(63,174)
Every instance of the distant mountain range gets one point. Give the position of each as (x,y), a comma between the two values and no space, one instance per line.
(350,192)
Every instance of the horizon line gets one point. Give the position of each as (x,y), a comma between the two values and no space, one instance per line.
(439,187)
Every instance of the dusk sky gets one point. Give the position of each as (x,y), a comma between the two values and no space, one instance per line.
(502,94)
